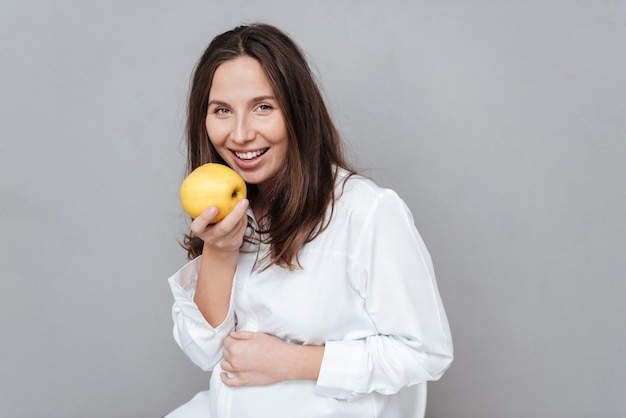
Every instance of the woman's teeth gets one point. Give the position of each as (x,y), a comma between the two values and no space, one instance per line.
(250,155)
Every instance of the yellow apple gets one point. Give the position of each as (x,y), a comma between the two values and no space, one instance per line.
(212,184)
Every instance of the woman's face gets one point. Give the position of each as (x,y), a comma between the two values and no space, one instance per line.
(244,121)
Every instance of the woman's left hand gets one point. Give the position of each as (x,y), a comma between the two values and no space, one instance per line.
(256,359)
(253,359)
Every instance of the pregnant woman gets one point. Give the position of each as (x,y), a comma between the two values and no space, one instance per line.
(316,296)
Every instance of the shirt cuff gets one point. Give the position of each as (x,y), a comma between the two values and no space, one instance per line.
(343,373)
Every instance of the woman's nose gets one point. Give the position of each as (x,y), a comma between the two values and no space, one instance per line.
(243,131)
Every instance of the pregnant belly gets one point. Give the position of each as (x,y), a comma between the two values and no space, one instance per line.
(289,399)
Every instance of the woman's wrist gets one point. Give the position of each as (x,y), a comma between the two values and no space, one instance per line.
(215,278)
(304,361)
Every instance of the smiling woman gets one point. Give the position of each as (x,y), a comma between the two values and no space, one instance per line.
(318,288)
(244,121)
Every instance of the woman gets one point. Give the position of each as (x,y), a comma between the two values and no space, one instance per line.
(315,297)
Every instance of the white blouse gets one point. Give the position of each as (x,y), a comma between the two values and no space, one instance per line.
(366,291)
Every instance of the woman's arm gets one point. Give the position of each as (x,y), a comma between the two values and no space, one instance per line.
(255,358)
(219,260)
(393,272)
(202,311)
(202,343)
(215,281)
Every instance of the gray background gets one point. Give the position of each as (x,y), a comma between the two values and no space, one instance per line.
(502,124)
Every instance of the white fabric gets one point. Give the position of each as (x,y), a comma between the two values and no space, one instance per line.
(198,406)
(414,400)
(367,291)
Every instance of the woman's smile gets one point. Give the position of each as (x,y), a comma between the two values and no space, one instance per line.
(250,155)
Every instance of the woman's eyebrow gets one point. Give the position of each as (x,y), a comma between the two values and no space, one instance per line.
(253,100)
(262,98)
(217,102)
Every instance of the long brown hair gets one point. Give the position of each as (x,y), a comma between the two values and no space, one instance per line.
(302,192)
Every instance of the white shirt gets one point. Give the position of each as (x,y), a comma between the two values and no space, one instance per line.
(366,291)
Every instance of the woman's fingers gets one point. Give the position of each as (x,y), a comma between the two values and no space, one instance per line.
(227,233)
(239,210)
(203,221)
(232,221)
(231,380)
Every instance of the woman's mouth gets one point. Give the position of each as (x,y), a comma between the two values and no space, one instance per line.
(250,155)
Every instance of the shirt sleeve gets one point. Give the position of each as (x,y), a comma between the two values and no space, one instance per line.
(202,343)
(413,343)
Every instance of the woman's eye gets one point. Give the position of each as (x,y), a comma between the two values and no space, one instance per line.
(221,111)
(264,108)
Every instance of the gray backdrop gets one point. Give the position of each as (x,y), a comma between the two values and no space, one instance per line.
(502,124)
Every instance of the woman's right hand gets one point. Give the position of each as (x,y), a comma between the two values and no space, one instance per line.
(227,234)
